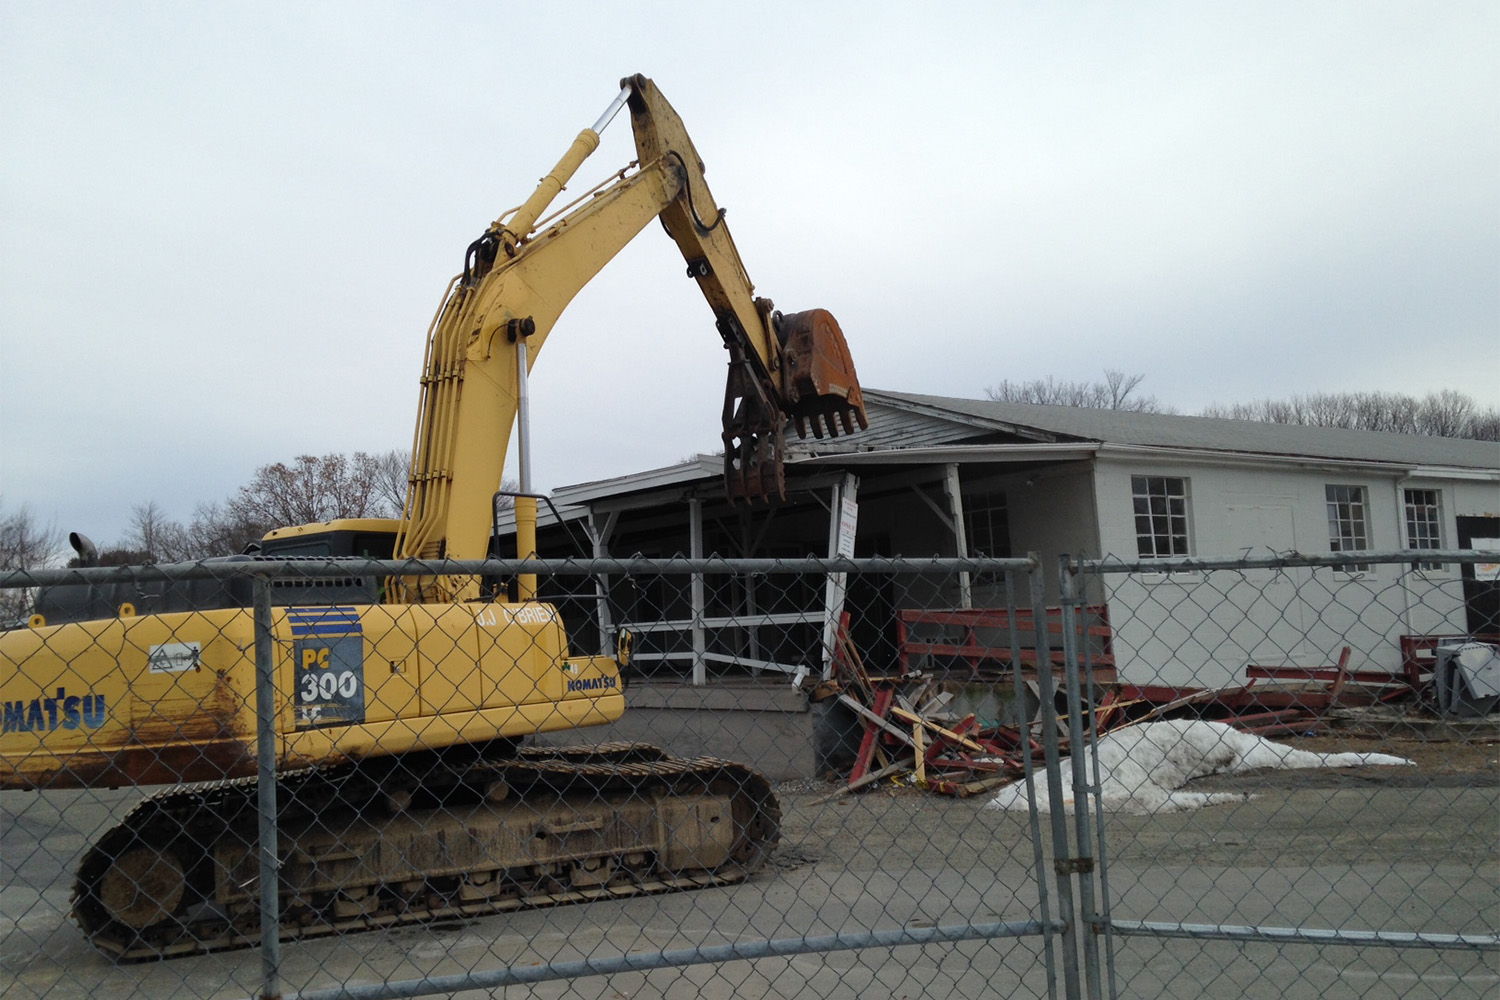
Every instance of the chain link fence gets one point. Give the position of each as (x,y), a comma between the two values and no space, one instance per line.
(829,778)
(1348,841)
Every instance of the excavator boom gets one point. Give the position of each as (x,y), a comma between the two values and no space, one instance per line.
(521,274)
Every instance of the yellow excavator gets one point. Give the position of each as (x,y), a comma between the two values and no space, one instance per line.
(403,790)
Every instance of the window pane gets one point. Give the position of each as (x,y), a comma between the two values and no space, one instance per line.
(1161,516)
(1347,531)
(1424,522)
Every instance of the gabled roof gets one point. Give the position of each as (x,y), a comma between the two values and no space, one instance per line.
(902,420)
(915,428)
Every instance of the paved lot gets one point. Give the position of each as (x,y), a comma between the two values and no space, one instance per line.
(1362,849)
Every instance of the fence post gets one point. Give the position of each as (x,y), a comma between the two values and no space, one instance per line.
(1056,810)
(1028,769)
(265,743)
(1075,658)
(699,632)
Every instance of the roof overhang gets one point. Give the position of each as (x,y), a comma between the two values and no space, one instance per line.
(701,476)
(1264,460)
(961,453)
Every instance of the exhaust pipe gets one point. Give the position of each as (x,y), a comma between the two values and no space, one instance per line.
(88,555)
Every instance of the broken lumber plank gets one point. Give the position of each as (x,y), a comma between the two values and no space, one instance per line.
(964,789)
(869,745)
(1194,698)
(851,654)
(919,747)
(878,720)
(958,760)
(1267,718)
(903,764)
(933,705)
(948,734)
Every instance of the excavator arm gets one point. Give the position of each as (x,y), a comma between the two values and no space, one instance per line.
(520,275)
(780,367)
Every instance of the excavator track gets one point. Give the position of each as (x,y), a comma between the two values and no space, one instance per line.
(364,848)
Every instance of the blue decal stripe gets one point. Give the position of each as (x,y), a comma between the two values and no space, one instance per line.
(330,621)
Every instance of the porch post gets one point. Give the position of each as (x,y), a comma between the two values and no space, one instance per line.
(695,550)
(952,487)
(843,516)
(599,535)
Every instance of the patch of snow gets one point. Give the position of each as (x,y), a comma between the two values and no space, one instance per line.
(1142,767)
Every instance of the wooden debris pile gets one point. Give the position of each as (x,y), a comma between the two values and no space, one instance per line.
(910,729)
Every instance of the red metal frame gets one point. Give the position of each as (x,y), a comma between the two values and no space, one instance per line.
(1419,652)
(1093,625)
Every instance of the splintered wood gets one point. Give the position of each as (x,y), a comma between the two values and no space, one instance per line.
(911,733)
(907,713)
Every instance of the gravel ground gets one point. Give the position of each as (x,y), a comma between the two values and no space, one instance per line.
(1447,806)
(1435,759)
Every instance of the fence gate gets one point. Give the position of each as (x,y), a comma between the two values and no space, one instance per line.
(1315,861)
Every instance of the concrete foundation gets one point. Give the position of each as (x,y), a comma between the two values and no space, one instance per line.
(765,724)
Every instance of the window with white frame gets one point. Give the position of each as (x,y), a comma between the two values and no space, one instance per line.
(1161,516)
(987,524)
(1348,523)
(1424,522)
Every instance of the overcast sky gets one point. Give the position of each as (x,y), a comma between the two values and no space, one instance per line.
(224,227)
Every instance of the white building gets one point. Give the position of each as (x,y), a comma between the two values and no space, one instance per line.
(942,476)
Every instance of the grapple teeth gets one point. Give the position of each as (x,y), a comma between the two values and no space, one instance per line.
(820,380)
(754,436)
(818,390)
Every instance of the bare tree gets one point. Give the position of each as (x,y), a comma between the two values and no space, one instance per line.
(159,537)
(217,531)
(306,490)
(505,497)
(1114,393)
(1439,414)
(392,470)
(311,489)
(24,544)
(1486,426)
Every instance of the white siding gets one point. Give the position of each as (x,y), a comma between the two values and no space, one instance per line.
(1053,516)
(1473,499)
(1203,629)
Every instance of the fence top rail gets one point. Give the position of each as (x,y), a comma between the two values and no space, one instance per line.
(235,567)
(1283,560)
(989,617)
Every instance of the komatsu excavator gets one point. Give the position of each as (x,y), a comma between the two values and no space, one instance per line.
(403,791)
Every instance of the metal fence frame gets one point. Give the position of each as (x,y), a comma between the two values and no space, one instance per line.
(1079,886)
(263,572)
(1090,850)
